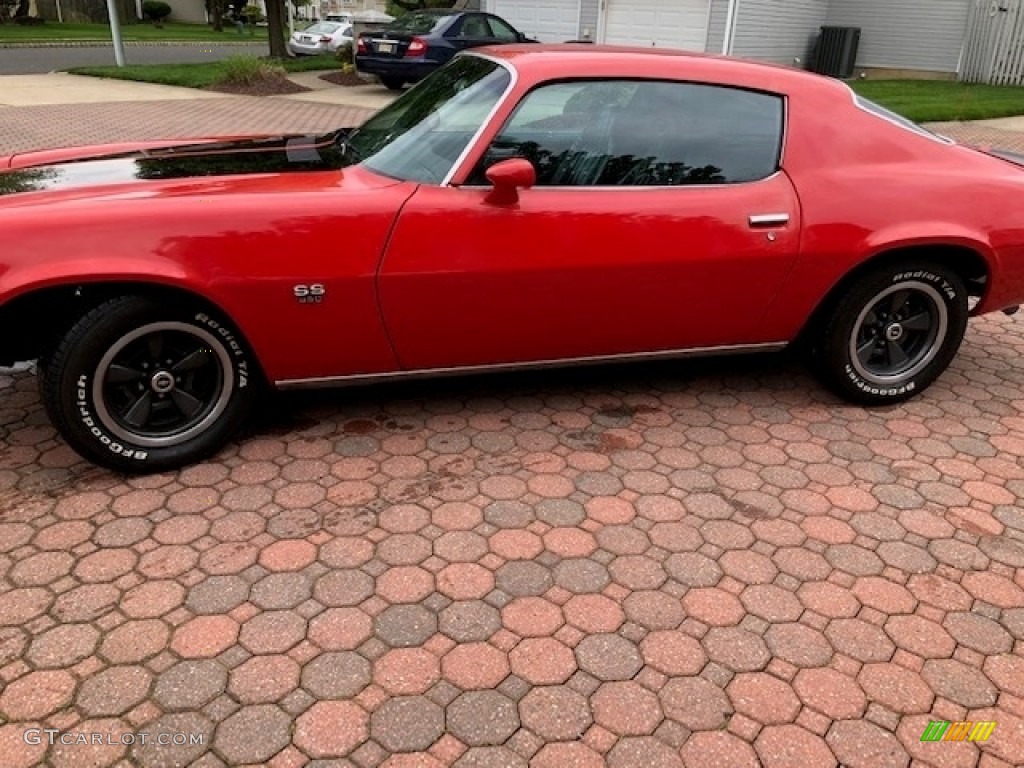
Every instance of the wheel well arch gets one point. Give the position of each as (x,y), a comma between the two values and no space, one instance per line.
(42,316)
(970,265)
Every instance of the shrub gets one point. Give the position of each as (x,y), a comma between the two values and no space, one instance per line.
(246,70)
(252,14)
(346,55)
(155,10)
(29,21)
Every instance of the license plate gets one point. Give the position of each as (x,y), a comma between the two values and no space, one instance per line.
(385,47)
(307,39)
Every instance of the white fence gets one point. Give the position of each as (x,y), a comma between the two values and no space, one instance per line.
(994,45)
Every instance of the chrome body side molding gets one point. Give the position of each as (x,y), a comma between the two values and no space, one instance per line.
(670,354)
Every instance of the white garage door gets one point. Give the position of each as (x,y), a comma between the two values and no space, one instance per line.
(659,23)
(550,21)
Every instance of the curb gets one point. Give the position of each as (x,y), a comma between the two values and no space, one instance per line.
(129,43)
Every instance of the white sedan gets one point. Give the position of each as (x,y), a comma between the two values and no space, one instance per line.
(322,37)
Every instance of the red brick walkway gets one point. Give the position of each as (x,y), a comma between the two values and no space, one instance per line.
(714,564)
(27,128)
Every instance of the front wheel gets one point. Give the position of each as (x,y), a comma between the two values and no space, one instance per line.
(893,333)
(393,83)
(137,387)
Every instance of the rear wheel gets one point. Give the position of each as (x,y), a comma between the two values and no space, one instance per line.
(393,83)
(138,387)
(893,333)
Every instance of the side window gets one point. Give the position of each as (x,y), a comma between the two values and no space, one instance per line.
(642,133)
(501,30)
(474,25)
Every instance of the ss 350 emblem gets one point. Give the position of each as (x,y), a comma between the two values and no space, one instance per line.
(309,294)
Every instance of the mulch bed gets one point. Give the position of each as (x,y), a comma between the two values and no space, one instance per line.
(344,78)
(278,85)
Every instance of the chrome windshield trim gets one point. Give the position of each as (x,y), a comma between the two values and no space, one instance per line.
(513,79)
(630,357)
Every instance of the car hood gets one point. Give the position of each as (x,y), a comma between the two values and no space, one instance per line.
(234,157)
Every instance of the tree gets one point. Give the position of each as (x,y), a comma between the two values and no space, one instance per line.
(277,19)
(217,9)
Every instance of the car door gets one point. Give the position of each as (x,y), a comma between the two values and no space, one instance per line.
(660,221)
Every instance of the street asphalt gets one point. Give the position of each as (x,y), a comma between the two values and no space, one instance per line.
(25,60)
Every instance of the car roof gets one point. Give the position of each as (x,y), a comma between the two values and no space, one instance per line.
(435,12)
(551,61)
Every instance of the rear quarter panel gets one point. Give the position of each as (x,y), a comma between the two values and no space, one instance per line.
(868,186)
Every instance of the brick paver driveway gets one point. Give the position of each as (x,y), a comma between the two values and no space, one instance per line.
(714,564)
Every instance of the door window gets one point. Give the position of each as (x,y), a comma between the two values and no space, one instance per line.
(641,133)
(475,27)
(502,31)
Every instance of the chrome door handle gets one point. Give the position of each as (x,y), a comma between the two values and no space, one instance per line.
(769,219)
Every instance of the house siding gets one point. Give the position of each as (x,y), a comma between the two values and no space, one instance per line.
(911,34)
(780,31)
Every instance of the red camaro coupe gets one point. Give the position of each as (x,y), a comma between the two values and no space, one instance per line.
(524,205)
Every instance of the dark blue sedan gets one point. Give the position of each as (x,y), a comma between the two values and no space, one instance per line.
(412,46)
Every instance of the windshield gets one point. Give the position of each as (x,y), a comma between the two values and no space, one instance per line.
(324,28)
(421,136)
(417,23)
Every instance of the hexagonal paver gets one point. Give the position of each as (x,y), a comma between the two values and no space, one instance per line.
(830,692)
(697,703)
(187,752)
(608,657)
(190,685)
(37,694)
(113,691)
(331,729)
(470,620)
(336,675)
(253,734)
(959,683)
(542,661)
(407,671)
(555,713)
(860,744)
(736,648)
(763,698)
(407,724)
(626,708)
(272,632)
(715,749)
(264,679)
(790,746)
(475,666)
(405,626)
(898,688)
(482,718)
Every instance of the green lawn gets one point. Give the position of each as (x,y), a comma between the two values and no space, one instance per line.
(941,100)
(196,75)
(14,33)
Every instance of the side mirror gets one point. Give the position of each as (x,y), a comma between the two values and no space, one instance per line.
(507,177)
